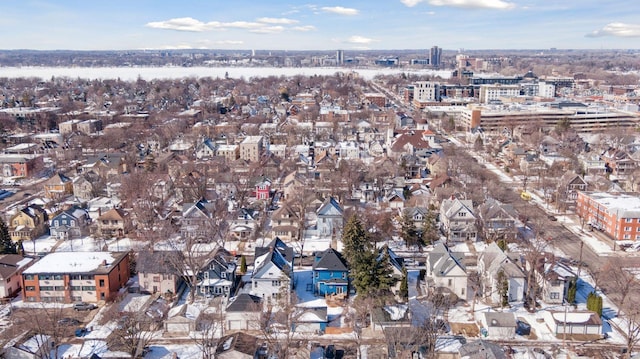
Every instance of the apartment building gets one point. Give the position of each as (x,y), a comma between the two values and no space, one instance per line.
(495,92)
(67,277)
(425,92)
(617,214)
(251,148)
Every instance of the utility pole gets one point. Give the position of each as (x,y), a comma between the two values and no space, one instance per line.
(579,263)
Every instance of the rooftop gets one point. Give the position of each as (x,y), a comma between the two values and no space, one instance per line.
(75,262)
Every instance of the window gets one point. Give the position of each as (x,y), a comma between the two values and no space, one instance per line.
(76,287)
(344,275)
(58,277)
(255,284)
(58,288)
(628,220)
(317,275)
(29,277)
(627,229)
(450,282)
(462,214)
(275,283)
(554,295)
(30,288)
(626,236)
(101,283)
(88,287)
(74,277)
(46,288)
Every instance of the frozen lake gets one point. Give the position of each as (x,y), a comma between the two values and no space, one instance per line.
(150,73)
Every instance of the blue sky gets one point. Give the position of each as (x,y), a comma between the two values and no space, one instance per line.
(320,25)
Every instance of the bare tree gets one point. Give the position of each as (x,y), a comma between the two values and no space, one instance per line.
(134,330)
(46,323)
(278,325)
(209,328)
(622,285)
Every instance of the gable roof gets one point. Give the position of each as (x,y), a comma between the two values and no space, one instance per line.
(239,342)
(114,214)
(279,245)
(442,261)
(245,303)
(156,261)
(450,207)
(275,257)
(331,260)
(327,204)
(10,263)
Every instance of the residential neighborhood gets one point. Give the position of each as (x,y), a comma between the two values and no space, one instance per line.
(491,210)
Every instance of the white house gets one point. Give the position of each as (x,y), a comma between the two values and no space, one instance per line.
(330,219)
(457,220)
(495,266)
(272,274)
(445,270)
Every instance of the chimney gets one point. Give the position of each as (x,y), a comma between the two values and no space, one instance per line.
(104,262)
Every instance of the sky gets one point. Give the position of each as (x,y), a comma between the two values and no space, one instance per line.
(320,25)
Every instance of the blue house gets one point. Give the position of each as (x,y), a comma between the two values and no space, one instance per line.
(72,223)
(330,273)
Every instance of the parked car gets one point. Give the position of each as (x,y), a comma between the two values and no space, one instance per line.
(68,321)
(330,352)
(552,218)
(84,306)
(81,332)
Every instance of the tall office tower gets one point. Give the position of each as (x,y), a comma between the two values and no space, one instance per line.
(435,55)
(340,57)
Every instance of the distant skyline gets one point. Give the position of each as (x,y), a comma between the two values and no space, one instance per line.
(320,25)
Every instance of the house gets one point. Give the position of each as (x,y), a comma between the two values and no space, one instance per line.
(498,220)
(157,272)
(58,186)
(445,269)
(67,277)
(263,188)
(240,346)
(496,268)
(330,219)
(11,268)
(28,223)
(285,223)
(206,149)
(417,215)
(20,165)
(554,278)
(71,223)
(218,276)
(310,320)
(330,273)
(568,187)
(196,219)
(499,324)
(272,273)
(112,223)
(182,319)
(457,220)
(25,346)
(573,323)
(243,313)
(86,186)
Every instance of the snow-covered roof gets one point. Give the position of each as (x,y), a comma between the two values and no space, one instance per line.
(74,262)
(625,205)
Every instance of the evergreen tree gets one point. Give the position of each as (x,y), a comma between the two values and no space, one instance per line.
(409,232)
(430,233)
(594,303)
(363,273)
(354,240)
(7,246)
(503,288)
(243,265)
(572,290)
(404,285)
(384,273)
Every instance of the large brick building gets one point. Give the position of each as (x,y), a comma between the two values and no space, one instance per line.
(67,277)
(617,214)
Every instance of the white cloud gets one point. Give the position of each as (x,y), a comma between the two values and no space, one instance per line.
(617,29)
(229,42)
(340,10)
(281,21)
(411,3)
(471,4)
(193,25)
(304,28)
(356,39)
(268,30)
